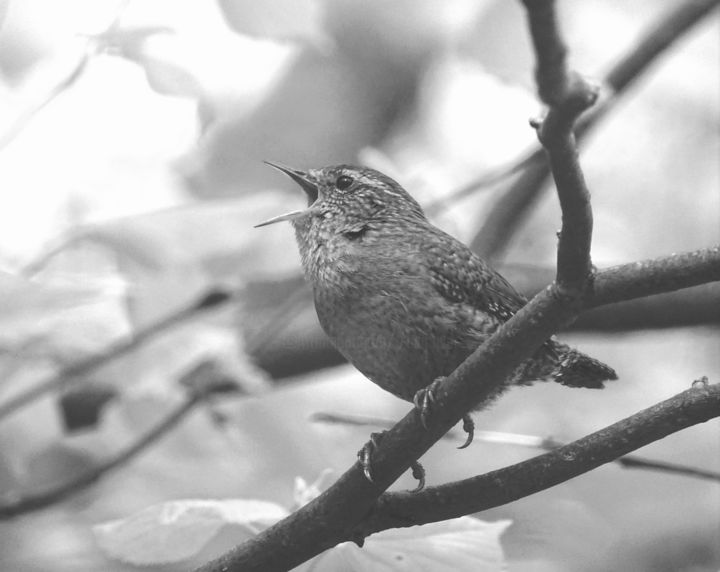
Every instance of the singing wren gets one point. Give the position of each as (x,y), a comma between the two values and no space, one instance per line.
(402,300)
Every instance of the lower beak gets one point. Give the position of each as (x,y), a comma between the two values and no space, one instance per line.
(287,216)
(306,183)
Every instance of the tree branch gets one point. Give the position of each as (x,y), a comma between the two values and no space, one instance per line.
(648,277)
(568,96)
(669,28)
(507,215)
(696,405)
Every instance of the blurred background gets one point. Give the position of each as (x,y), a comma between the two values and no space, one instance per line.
(132,136)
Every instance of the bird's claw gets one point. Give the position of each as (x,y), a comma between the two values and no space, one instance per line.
(469,428)
(419,473)
(365,454)
(424,400)
(365,458)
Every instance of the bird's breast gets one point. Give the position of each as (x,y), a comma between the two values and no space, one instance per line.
(388,320)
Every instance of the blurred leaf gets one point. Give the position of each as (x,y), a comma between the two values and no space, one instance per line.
(57,318)
(305,492)
(165,75)
(81,407)
(59,462)
(276,19)
(459,545)
(130,41)
(177,530)
(170,78)
(454,139)
(26,437)
(157,368)
(217,235)
(104,147)
(31,308)
(161,363)
(3,10)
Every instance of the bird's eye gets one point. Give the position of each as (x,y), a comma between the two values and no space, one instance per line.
(343,182)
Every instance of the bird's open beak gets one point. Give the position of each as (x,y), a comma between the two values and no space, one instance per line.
(306,183)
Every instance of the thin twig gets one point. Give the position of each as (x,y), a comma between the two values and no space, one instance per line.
(26,116)
(568,96)
(73,372)
(204,379)
(661,36)
(91,48)
(520,440)
(36,501)
(485,181)
(506,216)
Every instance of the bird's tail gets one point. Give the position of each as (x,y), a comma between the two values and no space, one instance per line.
(560,363)
(575,369)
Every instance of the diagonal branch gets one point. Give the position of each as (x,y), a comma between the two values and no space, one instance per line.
(696,405)
(203,380)
(36,501)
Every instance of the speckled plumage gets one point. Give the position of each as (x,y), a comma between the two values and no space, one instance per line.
(402,300)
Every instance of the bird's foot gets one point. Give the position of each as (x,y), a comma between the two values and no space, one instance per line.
(424,400)
(365,454)
(365,458)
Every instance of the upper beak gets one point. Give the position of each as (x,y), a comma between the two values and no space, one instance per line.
(302,179)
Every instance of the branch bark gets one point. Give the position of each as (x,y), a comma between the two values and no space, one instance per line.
(696,405)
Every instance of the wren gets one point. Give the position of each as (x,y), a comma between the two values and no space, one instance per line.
(400,299)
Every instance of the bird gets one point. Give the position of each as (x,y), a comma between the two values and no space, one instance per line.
(402,300)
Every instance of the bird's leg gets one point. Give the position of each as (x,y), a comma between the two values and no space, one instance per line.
(365,457)
(424,400)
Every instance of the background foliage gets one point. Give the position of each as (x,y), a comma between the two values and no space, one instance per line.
(130,164)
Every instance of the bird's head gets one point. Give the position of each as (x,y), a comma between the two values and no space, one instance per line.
(347,200)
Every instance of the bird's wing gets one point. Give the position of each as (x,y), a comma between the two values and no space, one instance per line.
(460,276)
